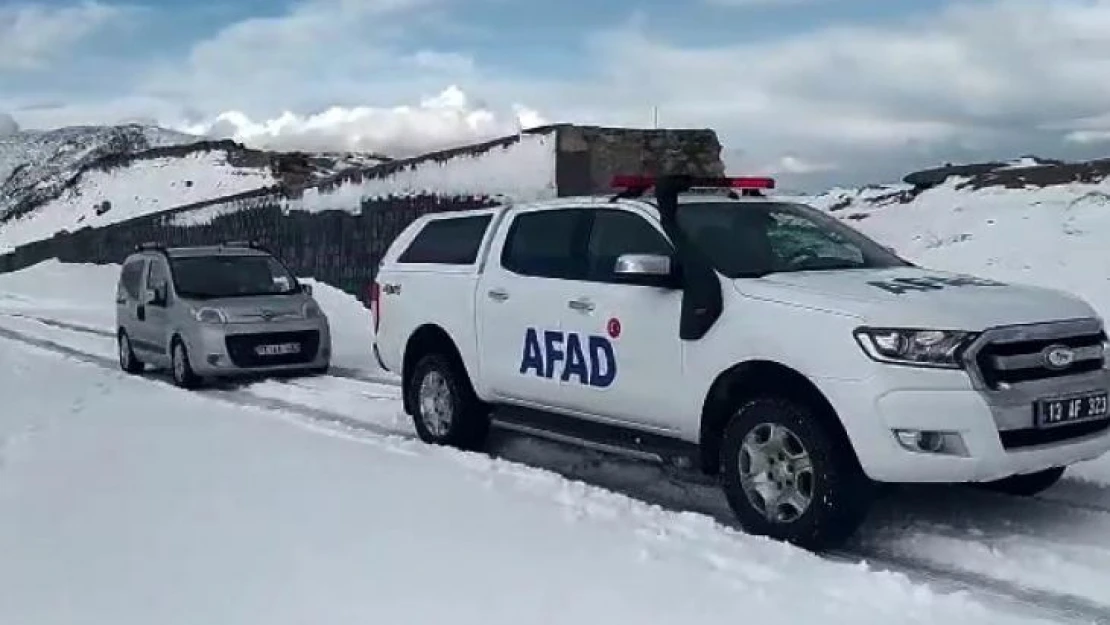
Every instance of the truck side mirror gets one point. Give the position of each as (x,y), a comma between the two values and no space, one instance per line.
(306,289)
(645,270)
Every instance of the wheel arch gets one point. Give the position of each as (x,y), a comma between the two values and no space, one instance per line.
(756,378)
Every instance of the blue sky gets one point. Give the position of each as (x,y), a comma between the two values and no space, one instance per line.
(818,92)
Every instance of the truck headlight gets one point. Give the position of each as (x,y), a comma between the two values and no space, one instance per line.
(915,347)
(210,315)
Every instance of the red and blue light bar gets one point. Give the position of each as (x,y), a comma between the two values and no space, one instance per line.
(741,182)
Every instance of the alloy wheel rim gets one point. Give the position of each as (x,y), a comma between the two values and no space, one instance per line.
(436,405)
(124,351)
(776,473)
(179,362)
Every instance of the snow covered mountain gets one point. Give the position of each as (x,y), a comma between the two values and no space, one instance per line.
(75,177)
(37,165)
(1032,221)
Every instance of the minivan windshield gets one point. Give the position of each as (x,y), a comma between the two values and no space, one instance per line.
(753,239)
(209,277)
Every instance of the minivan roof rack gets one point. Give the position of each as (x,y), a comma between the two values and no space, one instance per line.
(253,244)
(150,246)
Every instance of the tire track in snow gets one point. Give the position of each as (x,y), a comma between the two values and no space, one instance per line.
(356,375)
(603,471)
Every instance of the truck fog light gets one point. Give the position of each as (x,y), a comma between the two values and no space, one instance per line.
(932,442)
(214,359)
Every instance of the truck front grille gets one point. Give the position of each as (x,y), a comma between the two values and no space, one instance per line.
(1017,354)
(241,348)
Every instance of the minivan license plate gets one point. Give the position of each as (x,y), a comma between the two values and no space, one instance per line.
(278,350)
(1067,410)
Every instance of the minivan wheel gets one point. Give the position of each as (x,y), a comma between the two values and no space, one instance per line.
(182,371)
(127,360)
(787,476)
(446,409)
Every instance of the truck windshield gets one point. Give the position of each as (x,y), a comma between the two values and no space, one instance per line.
(209,277)
(753,239)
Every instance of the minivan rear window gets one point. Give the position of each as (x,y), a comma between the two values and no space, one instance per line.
(448,241)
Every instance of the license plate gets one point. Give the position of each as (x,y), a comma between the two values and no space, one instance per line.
(1067,410)
(278,350)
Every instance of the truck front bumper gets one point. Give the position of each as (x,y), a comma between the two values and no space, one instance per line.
(988,435)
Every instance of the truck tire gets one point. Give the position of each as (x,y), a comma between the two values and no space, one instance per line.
(446,411)
(1026,485)
(787,475)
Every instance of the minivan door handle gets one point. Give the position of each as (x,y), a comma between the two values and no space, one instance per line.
(498,295)
(582,304)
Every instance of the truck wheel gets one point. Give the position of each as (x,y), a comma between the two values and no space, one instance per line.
(1026,485)
(447,411)
(787,476)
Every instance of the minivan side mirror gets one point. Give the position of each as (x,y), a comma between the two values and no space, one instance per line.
(156,296)
(646,270)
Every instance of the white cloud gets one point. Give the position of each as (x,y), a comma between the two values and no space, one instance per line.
(445,120)
(32,35)
(988,79)
(971,79)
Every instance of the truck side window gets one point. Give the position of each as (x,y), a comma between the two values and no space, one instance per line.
(449,241)
(544,243)
(617,232)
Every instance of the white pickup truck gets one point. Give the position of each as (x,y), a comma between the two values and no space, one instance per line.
(710,326)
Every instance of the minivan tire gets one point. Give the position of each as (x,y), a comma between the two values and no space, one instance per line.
(802,460)
(180,369)
(127,360)
(446,410)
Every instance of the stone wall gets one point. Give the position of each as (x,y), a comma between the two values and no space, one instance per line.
(589,156)
(343,247)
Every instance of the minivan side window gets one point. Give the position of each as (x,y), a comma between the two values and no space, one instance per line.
(448,241)
(158,277)
(618,232)
(131,277)
(545,244)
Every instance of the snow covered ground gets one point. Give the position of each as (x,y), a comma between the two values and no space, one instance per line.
(310,498)
(125,500)
(143,187)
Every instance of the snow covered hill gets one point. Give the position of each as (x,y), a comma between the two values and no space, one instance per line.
(36,165)
(1043,224)
(79,177)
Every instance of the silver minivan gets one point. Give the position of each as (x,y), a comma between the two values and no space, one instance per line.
(217,311)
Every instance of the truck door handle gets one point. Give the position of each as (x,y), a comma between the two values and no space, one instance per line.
(498,295)
(583,305)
